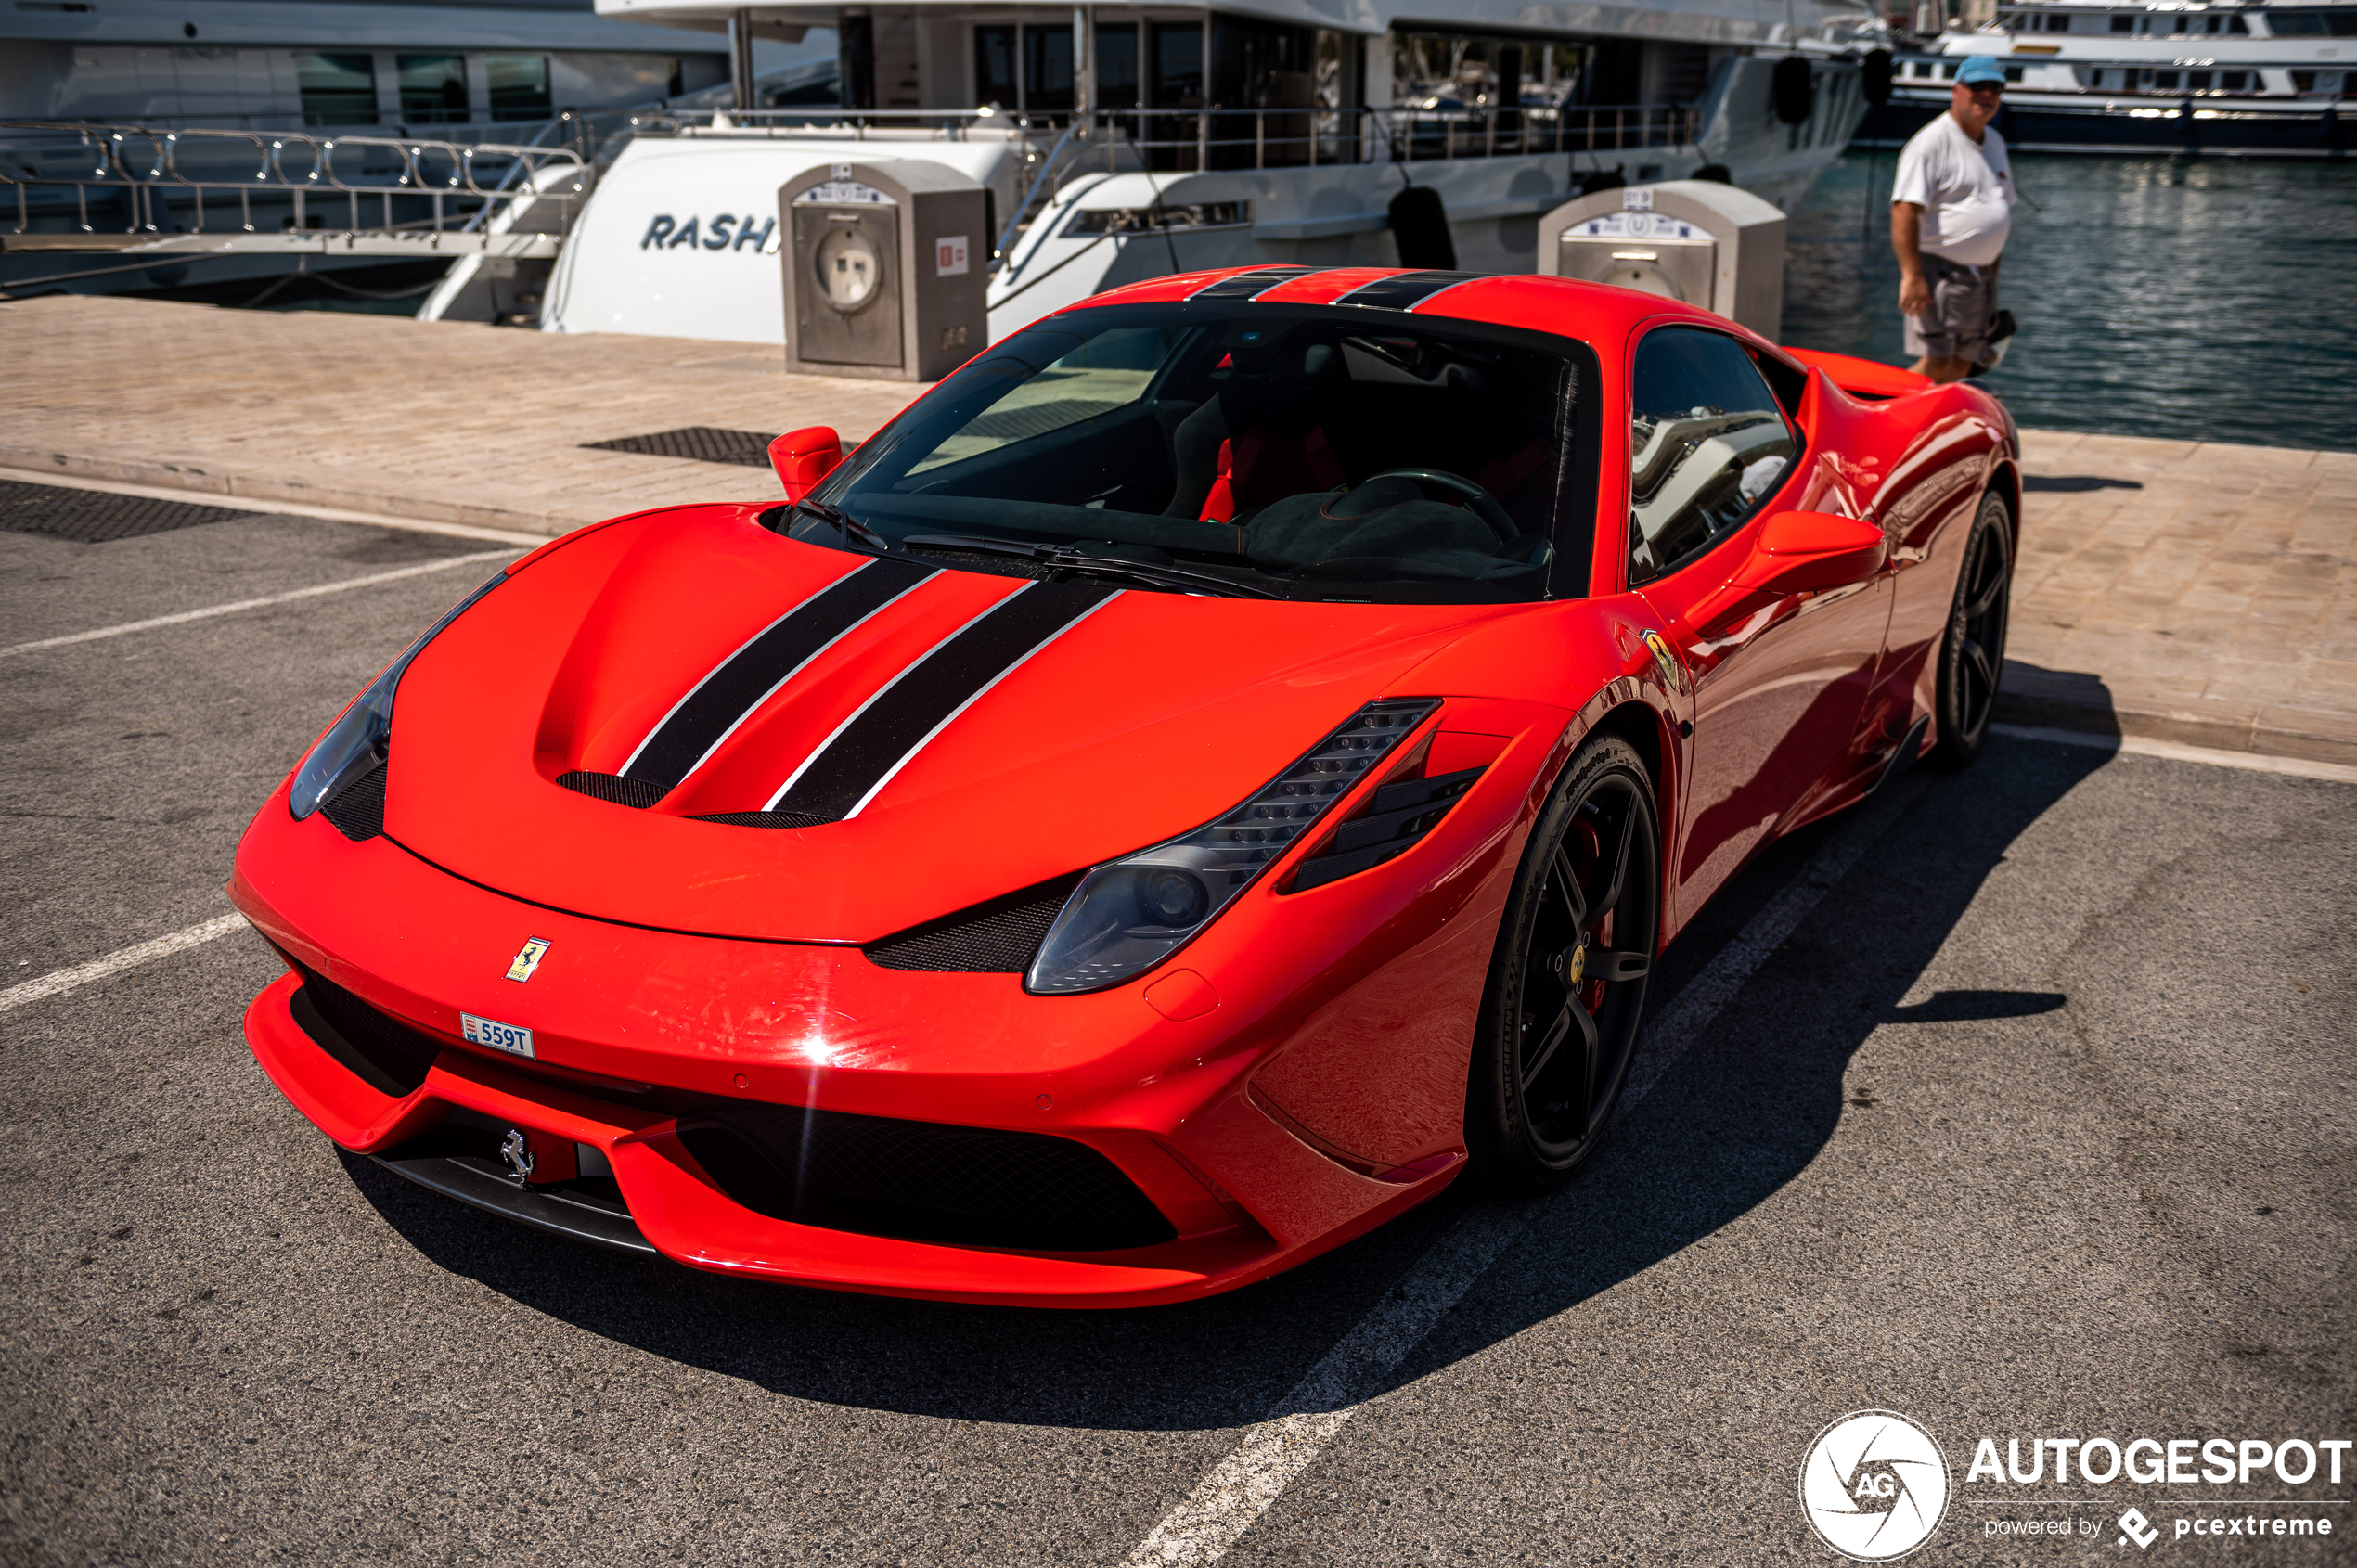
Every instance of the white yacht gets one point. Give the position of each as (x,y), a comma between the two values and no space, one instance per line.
(75,74)
(1124,140)
(2186,77)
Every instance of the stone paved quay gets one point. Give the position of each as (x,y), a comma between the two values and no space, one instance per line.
(2183,591)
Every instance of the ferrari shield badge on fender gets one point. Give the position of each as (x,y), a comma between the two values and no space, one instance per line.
(527,959)
(1671,675)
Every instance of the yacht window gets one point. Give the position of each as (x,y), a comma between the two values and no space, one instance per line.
(1047,69)
(2198,80)
(2235,25)
(2164,79)
(1707,445)
(2013,73)
(519,86)
(337,89)
(2313,24)
(2234,81)
(1116,65)
(433,88)
(995,67)
(2123,24)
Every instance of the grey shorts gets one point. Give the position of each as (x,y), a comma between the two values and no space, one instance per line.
(1963,311)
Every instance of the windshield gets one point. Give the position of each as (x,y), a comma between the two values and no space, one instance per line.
(1312,453)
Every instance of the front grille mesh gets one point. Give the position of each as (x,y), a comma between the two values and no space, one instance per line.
(358,809)
(923,1181)
(613,788)
(998,937)
(384,1053)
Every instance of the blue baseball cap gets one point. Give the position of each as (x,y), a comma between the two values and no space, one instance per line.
(1981,68)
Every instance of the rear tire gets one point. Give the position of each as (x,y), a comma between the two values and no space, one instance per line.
(1972,656)
(1567,980)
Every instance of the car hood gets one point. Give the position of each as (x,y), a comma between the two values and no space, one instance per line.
(937,738)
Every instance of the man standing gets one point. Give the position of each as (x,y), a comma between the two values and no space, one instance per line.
(1950,213)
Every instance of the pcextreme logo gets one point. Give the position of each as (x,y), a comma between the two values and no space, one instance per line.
(1874,1485)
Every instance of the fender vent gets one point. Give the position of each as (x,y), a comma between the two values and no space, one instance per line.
(358,809)
(1394,819)
(998,937)
(923,1181)
(638,793)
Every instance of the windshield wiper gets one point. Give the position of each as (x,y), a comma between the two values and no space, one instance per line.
(1064,557)
(836,517)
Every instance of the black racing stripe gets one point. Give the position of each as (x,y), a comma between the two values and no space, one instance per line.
(748,675)
(1244,285)
(874,744)
(1405,291)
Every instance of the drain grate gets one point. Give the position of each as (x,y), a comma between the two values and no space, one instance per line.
(699,443)
(93,517)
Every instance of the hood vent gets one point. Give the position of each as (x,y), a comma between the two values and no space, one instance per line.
(637,793)
(999,937)
(766,819)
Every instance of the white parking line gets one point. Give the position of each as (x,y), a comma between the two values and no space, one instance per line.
(207,613)
(1242,1486)
(62,981)
(2177,750)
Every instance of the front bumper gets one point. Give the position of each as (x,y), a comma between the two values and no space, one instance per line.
(640,1037)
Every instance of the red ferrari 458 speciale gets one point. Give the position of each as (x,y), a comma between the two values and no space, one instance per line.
(1207,774)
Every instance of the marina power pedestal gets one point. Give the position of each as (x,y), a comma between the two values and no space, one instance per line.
(1697,241)
(886,269)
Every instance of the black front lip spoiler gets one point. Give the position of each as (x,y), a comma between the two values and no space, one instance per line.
(471,1183)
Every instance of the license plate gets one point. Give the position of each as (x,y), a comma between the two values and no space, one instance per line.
(498,1036)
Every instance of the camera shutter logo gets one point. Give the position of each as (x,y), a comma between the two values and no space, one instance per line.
(1874,1485)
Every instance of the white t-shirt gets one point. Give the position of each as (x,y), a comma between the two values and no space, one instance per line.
(1966,191)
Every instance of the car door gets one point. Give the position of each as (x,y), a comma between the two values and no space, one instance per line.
(1780,680)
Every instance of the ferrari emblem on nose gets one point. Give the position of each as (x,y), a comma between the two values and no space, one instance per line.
(527,959)
(518,1154)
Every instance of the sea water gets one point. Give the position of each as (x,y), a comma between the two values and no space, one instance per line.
(2199,299)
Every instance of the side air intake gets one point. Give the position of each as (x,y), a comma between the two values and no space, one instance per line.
(1394,819)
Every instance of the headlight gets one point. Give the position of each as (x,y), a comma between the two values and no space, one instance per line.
(361,738)
(1129,915)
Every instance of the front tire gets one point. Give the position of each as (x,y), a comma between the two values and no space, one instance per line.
(1972,656)
(1567,980)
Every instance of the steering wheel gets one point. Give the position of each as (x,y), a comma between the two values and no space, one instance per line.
(1477,501)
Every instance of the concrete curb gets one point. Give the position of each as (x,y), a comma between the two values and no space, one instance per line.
(2077,701)
(329,488)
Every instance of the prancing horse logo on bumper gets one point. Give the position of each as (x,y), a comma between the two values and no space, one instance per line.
(527,959)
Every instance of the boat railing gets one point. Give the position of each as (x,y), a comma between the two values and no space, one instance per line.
(1057,148)
(411,185)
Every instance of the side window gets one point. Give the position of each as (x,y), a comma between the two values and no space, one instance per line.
(1707,443)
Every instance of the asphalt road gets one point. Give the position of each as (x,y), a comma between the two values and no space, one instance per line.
(2039,1123)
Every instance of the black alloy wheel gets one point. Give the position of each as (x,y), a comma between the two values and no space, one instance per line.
(1567,981)
(1972,656)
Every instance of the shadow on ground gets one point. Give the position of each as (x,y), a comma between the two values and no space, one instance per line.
(1704,1150)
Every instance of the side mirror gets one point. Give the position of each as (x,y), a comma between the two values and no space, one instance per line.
(804,457)
(1803,552)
